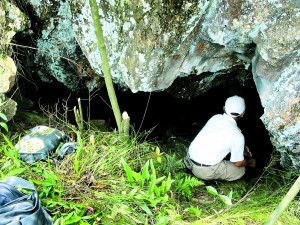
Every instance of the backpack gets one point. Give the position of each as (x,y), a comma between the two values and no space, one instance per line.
(39,143)
(17,208)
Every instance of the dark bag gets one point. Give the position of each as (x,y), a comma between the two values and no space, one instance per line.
(19,209)
(39,143)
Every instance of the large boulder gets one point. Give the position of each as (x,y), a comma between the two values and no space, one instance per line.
(282,113)
(151,43)
(8,72)
(58,56)
(12,20)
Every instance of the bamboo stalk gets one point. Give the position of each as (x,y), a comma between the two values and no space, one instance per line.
(125,123)
(78,119)
(105,63)
(284,202)
(80,113)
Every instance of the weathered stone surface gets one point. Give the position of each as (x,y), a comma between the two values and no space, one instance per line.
(8,106)
(59,55)
(11,21)
(150,43)
(281,102)
(8,71)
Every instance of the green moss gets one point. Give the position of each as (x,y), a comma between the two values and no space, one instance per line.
(28,120)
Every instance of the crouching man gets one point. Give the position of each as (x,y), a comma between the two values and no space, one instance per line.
(219,137)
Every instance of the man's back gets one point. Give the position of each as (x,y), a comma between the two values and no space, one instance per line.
(217,138)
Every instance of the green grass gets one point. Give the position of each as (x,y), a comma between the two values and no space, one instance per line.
(91,186)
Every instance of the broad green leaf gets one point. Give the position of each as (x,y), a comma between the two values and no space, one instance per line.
(16,172)
(128,171)
(157,191)
(145,174)
(3,116)
(137,176)
(195,211)
(158,180)
(151,184)
(225,199)
(59,221)
(169,183)
(4,126)
(158,159)
(157,151)
(146,209)
(211,190)
(73,219)
(152,169)
(10,144)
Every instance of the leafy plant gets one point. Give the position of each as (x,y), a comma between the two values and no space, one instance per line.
(225,199)
(194,210)
(186,185)
(3,124)
(78,154)
(171,164)
(158,154)
(147,186)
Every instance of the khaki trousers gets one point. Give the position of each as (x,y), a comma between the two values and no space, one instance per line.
(225,170)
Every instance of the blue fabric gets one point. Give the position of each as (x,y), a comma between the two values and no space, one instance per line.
(19,209)
(67,148)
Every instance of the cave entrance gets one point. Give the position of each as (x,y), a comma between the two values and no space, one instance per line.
(176,122)
(173,122)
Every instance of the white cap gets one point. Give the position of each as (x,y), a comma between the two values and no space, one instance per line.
(235,106)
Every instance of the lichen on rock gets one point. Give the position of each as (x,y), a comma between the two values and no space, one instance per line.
(57,46)
(12,20)
(145,51)
(282,115)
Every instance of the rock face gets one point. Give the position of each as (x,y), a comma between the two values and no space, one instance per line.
(151,43)
(58,56)
(11,21)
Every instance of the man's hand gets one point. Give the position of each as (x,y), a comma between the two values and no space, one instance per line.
(246,162)
(247,152)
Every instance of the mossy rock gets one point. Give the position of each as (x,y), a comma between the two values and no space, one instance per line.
(28,120)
